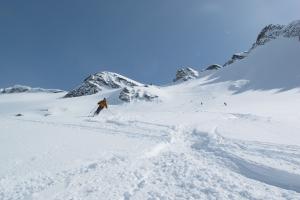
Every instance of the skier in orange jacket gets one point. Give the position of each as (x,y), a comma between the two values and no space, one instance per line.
(101,104)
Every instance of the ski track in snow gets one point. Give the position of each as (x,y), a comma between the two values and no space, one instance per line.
(152,133)
(237,155)
(185,163)
(180,160)
(188,162)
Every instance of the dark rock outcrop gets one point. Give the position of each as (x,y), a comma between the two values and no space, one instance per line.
(213,67)
(268,33)
(137,93)
(185,74)
(235,57)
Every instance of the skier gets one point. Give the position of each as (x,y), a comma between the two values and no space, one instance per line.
(225,104)
(101,104)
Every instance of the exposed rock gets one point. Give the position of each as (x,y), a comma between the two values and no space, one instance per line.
(213,67)
(268,33)
(235,57)
(22,88)
(136,93)
(86,88)
(125,95)
(16,89)
(185,74)
(99,81)
(272,31)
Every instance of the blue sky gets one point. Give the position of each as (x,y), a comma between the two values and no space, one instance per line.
(57,43)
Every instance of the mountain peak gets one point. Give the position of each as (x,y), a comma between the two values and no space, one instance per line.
(267,34)
(186,73)
(272,31)
(102,80)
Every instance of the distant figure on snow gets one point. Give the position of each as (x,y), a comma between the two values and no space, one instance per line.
(101,105)
(201,103)
(225,104)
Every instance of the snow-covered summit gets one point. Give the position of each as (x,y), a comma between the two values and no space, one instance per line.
(274,65)
(272,32)
(186,73)
(129,89)
(267,34)
(102,80)
(23,88)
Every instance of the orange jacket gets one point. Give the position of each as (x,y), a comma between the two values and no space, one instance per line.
(102,104)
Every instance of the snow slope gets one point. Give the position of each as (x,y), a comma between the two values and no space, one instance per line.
(172,149)
(229,134)
(274,65)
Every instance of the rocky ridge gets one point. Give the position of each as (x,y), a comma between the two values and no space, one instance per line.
(185,74)
(23,88)
(267,34)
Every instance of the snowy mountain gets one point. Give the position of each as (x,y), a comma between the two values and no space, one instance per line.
(272,64)
(22,88)
(100,81)
(272,32)
(213,67)
(267,34)
(124,88)
(231,134)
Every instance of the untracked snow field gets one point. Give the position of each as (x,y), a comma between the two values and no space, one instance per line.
(173,148)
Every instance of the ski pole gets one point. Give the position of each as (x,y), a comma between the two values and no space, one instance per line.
(92,110)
